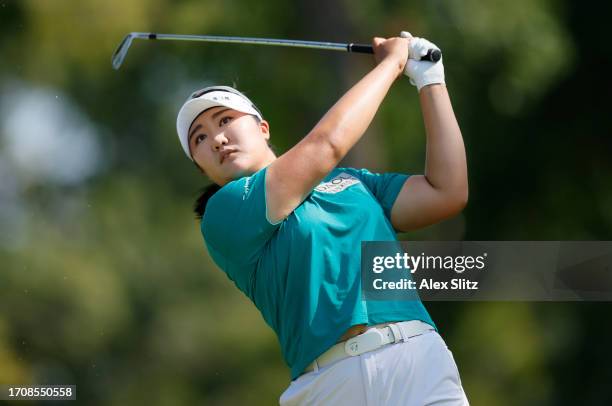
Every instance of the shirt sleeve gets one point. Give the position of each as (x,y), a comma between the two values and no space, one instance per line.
(236,228)
(384,186)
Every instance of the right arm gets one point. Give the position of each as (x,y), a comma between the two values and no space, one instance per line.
(293,175)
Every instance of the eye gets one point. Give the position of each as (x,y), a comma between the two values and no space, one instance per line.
(199,138)
(222,121)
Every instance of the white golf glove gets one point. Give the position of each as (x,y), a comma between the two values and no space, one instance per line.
(422,73)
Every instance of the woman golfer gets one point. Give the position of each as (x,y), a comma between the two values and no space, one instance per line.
(287,231)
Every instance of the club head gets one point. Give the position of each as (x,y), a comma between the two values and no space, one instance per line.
(122,49)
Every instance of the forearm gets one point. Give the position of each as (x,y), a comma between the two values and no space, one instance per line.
(445,167)
(347,120)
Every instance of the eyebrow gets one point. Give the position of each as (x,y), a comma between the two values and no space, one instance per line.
(200,125)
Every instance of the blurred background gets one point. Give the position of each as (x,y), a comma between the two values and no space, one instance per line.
(104,278)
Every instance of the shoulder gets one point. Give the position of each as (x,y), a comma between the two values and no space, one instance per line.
(237,212)
(353,171)
(237,192)
(237,218)
(345,170)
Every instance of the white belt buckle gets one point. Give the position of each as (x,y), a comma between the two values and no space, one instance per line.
(368,341)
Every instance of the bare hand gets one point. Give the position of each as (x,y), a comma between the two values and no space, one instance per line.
(394,49)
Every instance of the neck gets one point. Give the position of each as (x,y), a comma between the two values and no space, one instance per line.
(270,157)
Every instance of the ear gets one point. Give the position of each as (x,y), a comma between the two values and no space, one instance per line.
(265,129)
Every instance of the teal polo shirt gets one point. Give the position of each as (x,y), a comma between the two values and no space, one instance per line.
(303,273)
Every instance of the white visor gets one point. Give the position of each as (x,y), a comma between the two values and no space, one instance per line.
(194,106)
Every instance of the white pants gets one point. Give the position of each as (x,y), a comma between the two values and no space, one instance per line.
(419,372)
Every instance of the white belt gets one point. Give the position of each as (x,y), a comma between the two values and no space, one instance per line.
(372,339)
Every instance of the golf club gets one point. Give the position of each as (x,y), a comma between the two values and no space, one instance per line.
(119,55)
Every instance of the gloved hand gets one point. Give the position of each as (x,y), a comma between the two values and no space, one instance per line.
(422,73)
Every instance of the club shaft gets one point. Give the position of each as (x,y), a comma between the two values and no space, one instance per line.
(333,46)
(120,53)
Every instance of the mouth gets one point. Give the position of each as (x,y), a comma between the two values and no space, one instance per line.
(224,155)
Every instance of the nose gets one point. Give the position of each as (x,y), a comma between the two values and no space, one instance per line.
(218,141)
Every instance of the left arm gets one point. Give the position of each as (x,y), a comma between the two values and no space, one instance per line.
(442,191)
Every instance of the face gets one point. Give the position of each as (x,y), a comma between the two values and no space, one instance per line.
(227,144)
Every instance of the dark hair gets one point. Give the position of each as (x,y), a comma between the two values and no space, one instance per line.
(205,194)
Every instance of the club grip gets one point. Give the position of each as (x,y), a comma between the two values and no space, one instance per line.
(433,55)
(360,48)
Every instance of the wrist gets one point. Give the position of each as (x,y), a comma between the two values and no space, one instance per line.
(432,88)
(393,65)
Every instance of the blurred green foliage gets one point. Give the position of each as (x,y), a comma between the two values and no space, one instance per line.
(104,280)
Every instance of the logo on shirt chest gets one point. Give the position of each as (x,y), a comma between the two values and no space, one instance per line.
(337,184)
